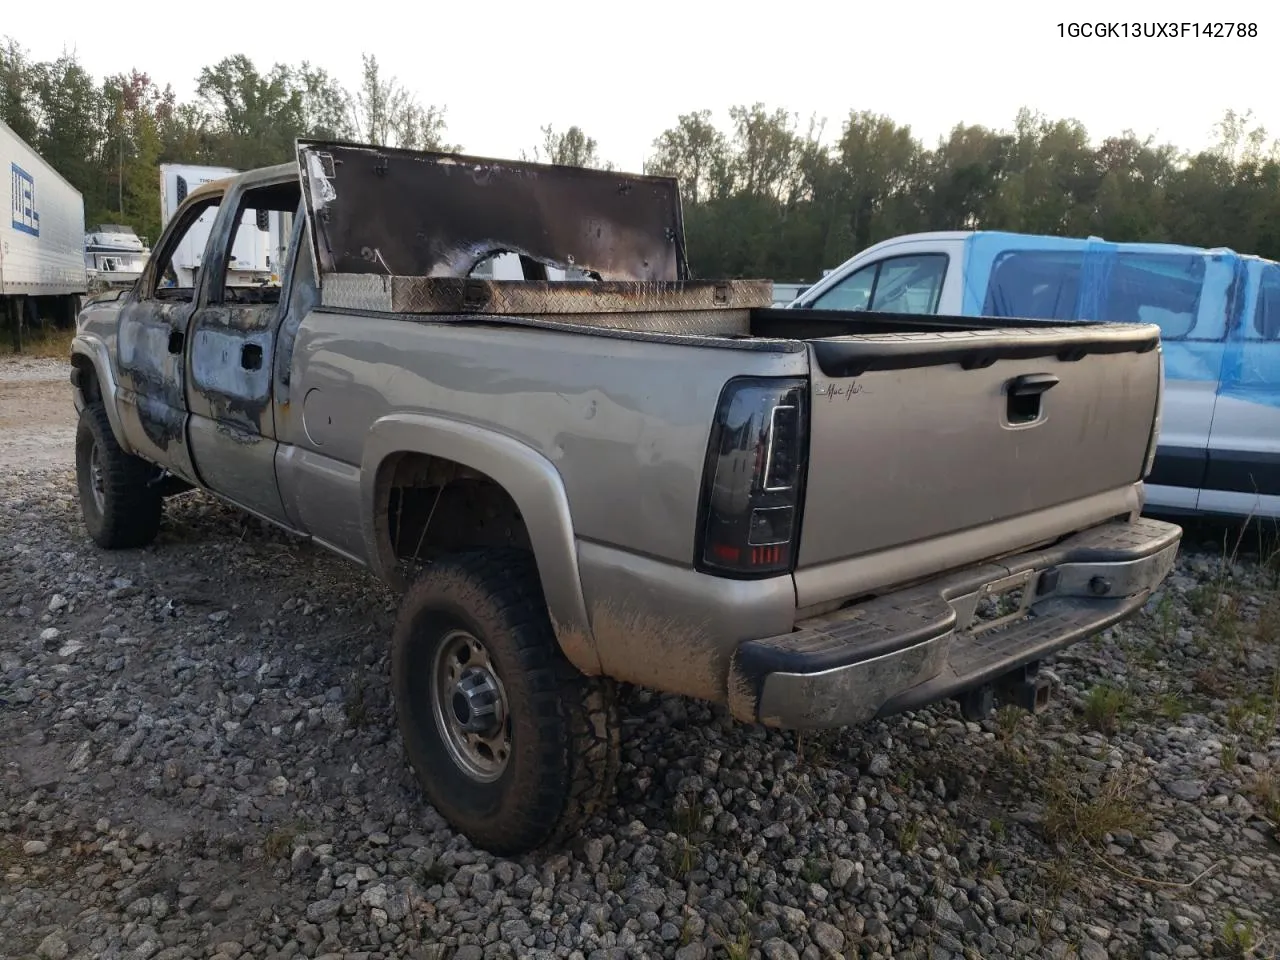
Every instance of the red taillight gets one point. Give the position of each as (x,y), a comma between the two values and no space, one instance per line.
(755,477)
(725,553)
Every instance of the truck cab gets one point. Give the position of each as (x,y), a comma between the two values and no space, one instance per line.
(1218,313)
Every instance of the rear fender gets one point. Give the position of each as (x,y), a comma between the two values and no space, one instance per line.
(529,478)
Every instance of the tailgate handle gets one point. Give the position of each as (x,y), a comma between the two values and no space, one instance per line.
(1032,384)
(1023,394)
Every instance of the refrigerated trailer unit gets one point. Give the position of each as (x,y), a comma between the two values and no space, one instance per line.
(42,271)
(260,241)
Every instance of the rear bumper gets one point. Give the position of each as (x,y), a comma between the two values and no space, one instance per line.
(928,642)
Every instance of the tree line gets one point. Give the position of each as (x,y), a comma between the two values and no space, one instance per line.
(770,196)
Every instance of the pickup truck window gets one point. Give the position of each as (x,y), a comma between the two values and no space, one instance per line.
(1266,316)
(851,293)
(907,284)
(1163,289)
(258,210)
(175,284)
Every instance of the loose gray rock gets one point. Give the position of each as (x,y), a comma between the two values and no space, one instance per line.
(1188,790)
(235,787)
(53,947)
(322,910)
(776,949)
(827,937)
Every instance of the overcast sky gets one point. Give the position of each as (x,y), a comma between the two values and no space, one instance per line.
(624,71)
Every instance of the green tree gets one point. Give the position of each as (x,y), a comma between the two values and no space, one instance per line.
(255,116)
(964,174)
(131,151)
(695,153)
(883,175)
(386,114)
(763,196)
(16,92)
(70,119)
(573,148)
(764,151)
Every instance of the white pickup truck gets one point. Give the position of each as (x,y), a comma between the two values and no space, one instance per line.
(1219,317)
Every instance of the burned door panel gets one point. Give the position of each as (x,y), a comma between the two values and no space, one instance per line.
(229,394)
(150,346)
(231,364)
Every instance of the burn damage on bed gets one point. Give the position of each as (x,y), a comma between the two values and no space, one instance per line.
(414,214)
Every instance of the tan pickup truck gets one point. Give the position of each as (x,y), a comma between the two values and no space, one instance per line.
(609,471)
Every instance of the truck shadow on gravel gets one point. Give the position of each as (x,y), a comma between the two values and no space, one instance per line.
(201,737)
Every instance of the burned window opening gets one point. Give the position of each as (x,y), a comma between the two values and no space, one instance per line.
(250,268)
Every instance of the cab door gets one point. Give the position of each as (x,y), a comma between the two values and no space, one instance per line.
(151,349)
(232,353)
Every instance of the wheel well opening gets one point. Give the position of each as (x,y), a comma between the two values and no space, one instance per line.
(432,506)
(85,378)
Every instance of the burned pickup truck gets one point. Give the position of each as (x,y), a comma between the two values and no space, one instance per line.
(604,470)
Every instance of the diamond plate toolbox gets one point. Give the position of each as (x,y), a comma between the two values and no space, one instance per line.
(692,306)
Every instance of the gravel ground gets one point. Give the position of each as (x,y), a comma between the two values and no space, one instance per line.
(199,760)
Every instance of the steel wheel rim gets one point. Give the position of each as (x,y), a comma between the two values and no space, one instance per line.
(470,707)
(97,486)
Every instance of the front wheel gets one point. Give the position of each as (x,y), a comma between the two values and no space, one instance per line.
(512,745)
(120,505)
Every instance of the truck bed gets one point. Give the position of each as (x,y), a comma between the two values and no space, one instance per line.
(708,308)
(943,424)
(927,442)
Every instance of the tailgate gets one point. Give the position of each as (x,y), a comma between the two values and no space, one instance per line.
(917,435)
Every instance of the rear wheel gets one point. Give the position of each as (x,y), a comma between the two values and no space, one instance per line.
(512,745)
(120,505)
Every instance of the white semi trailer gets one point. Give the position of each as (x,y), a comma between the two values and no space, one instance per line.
(42,271)
(260,242)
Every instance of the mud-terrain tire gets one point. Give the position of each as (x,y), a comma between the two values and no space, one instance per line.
(121,508)
(473,637)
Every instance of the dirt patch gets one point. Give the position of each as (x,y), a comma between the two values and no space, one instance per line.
(37,415)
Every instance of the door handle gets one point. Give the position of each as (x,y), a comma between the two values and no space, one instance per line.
(1032,384)
(251,356)
(1023,395)
(175,341)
